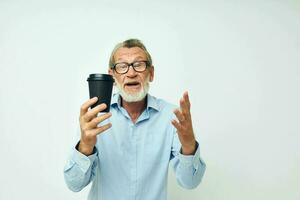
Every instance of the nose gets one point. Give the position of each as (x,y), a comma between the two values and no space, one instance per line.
(131,72)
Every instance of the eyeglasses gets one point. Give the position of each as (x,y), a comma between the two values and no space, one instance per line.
(123,67)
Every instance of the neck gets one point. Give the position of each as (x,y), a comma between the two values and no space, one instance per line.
(134,109)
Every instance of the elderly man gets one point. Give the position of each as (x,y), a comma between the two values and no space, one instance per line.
(126,153)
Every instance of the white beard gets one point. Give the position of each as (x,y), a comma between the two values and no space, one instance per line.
(134,97)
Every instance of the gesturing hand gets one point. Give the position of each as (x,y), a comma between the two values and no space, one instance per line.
(184,126)
(89,125)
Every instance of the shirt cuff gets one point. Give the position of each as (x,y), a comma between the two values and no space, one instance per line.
(190,160)
(84,162)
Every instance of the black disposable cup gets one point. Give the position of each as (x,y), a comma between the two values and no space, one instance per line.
(100,85)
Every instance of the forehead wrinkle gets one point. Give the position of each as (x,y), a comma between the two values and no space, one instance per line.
(124,53)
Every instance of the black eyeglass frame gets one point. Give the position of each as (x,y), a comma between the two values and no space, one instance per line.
(131,64)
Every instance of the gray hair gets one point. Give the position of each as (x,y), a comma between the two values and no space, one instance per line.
(129,44)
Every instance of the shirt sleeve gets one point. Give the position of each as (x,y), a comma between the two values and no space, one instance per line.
(189,169)
(80,169)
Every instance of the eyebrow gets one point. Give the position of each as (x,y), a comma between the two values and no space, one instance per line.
(134,60)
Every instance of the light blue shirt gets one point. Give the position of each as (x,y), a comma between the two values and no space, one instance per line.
(131,160)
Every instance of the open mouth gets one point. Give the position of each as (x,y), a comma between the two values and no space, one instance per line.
(132,84)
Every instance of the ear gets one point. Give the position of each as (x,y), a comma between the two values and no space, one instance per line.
(151,73)
(111,72)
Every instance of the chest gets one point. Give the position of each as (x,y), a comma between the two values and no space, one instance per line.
(148,141)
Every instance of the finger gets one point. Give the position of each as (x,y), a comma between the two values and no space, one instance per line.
(187,99)
(93,112)
(97,120)
(84,108)
(179,115)
(184,108)
(101,129)
(177,125)
(185,105)
(181,129)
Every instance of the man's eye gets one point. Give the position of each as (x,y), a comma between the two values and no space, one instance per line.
(137,64)
(122,66)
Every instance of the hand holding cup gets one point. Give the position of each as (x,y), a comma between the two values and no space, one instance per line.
(89,121)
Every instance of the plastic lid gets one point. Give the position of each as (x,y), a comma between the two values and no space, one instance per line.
(100,77)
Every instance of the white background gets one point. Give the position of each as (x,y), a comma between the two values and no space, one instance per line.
(239,60)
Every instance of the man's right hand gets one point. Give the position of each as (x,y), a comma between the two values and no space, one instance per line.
(89,125)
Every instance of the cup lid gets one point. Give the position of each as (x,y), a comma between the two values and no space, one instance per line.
(100,77)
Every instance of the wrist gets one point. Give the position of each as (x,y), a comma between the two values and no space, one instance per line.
(188,149)
(85,149)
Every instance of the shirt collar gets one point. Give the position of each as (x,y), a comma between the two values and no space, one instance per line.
(115,100)
(151,101)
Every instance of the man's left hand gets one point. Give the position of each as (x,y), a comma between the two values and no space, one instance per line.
(184,126)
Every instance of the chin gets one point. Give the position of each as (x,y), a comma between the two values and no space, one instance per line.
(133,97)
